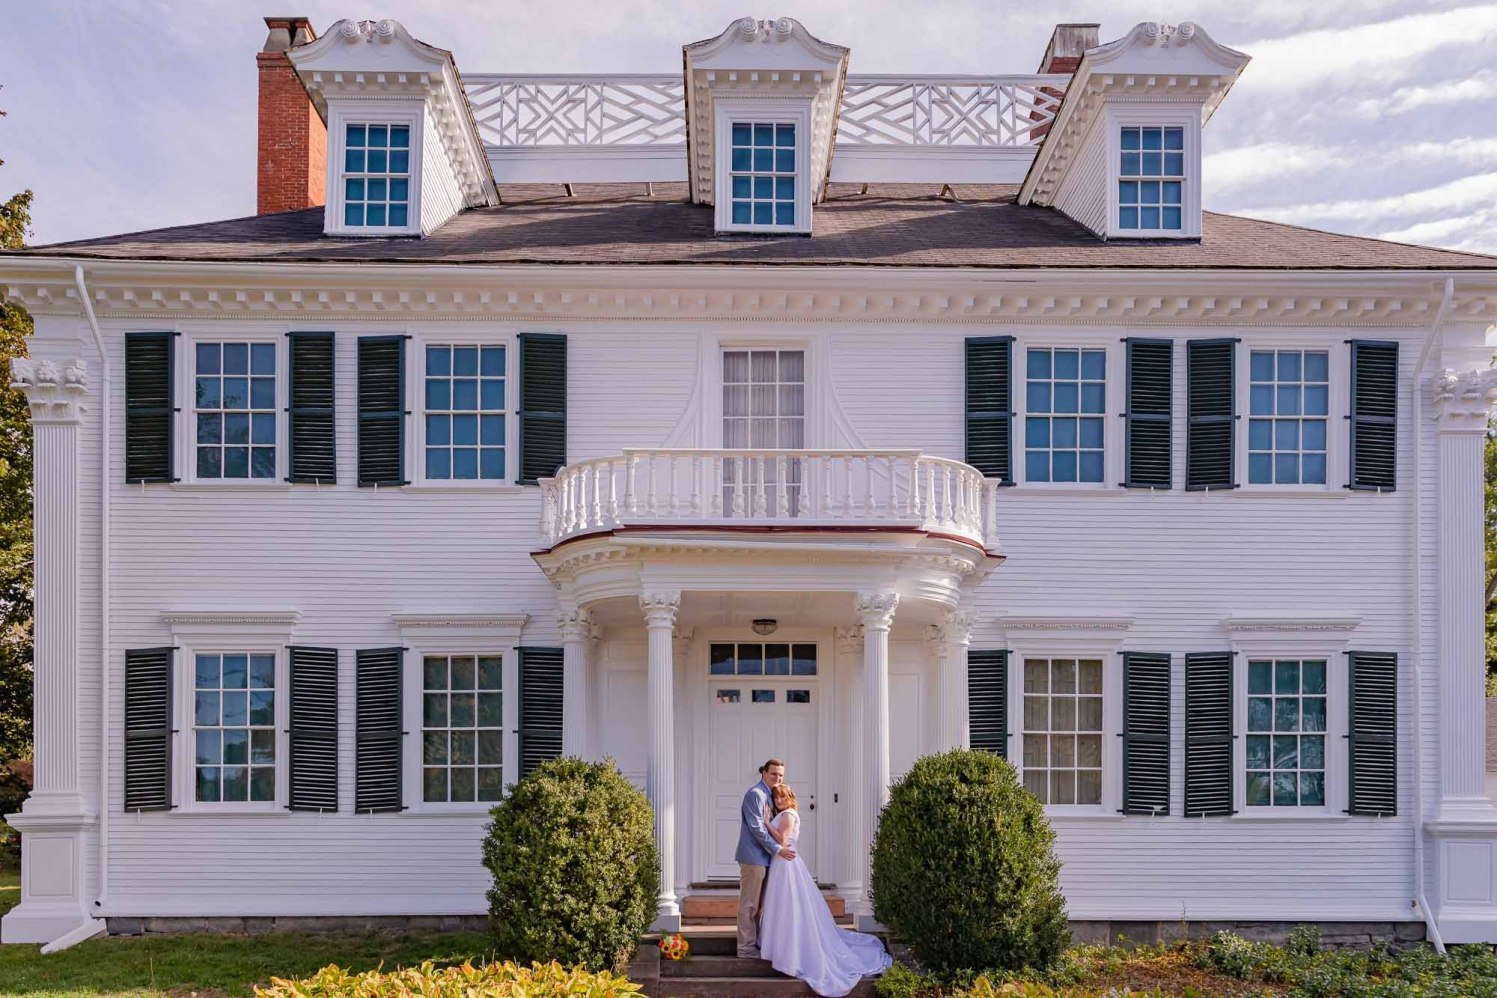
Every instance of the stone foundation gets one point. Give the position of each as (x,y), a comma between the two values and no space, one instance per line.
(298,923)
(1333,935)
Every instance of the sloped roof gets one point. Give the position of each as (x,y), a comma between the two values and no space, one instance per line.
(894,225)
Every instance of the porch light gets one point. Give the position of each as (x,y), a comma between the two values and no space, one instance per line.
(765,625)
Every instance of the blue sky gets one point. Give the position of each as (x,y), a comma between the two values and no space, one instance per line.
(1372,117)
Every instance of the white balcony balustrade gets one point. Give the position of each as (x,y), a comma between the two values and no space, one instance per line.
(794,489)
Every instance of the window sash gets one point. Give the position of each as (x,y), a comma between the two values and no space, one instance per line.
(463,754)
(221,436)
(462,432)
(1074,718)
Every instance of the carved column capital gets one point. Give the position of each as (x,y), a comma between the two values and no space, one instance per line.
(849,640)
(681,642)
(877,609)
(660,606)
(54,392)
(575,625)
(1463,399)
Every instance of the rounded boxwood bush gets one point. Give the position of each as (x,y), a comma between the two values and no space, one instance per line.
(575,871)
(964,868)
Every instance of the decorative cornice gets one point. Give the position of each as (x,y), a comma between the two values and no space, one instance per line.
(1463,399)
(1104,625)
(877,610)
(1290,625)
(54,393)
(230,623)
(488,623)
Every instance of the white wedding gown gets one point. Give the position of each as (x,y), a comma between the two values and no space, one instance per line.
(796,931)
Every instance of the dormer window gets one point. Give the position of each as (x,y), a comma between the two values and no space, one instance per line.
(1151,178)
(762,166)
(377,175)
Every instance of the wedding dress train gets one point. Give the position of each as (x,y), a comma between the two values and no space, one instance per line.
(797,934)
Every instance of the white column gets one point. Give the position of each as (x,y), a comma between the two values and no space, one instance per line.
(660,618)
(853,847)
(949,640)
(876,611)
(576,628)
(55,819)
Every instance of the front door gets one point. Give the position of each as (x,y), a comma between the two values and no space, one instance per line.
(762,705)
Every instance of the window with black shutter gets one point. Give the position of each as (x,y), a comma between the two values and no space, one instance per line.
(540,706)
(1150,384)
(990,416)
(1374,415)
(543,405)
(148,729)
(150,406)
(382,410)
(312,452)
(1146,733)
(313,732)
(1373,733)
(1211,414)
(1208,734)
(987,701)
(377,764)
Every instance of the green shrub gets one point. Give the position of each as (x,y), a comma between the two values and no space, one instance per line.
(575,872)
(964,868)
(1303,940)
(497,980)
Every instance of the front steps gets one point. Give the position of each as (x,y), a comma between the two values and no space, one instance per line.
(713,970)
(721,908)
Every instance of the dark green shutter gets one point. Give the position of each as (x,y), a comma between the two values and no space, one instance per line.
(987,701)
(312,450)
(313,733)
(150,406)
(1146,733)
(148,729)
(540,706)
(543,405)
(1373,733)
(1211,414)
(377,763)
(382,410)
(1150,384)
(990,417)
(1374,415)
(1208,734)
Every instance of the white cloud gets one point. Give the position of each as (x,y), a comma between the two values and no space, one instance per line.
(1474,232)
(1474,192)
(1248,165)
(1478,86)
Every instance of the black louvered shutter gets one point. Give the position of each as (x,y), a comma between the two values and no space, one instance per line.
(377,753)
(1150,384)
(1374,415)
(1146,733)
(1211,414)
(150,406)
(1373,733)
(1208,734)
(540,706)
(148,729)
(314,729)
(990,417)
(382,410)
(312,452)
(543,405)
(987,701)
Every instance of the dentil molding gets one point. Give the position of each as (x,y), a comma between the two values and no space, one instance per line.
(54,392)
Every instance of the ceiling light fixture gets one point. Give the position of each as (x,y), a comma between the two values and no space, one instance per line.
(765,625)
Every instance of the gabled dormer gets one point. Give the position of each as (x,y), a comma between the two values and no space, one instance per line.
(1123,157)
(403,151)
(761,113)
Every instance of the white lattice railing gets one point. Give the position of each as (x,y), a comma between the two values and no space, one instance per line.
(645,110)
(795,488)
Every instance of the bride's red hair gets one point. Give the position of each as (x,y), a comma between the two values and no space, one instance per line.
(784,798)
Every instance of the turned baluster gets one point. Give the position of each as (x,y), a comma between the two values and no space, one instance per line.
(740,502)
(782,488)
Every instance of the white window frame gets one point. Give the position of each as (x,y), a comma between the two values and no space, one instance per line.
(210,632)
(1302,639)
(1113,432)
(425,634)
(729,111)
(816,389)
(409,113)
(1115,119)
(185,427)
(416,405)
(1337,443)
(1079,638)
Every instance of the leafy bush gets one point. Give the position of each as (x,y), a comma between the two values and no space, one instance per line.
(575,872)
(964,868)
(496,980)
(1303,940)
(1418,972)
(15,784)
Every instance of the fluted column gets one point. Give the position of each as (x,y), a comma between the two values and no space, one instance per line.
(853,848)
(949,640)
(876,611)
(576,628)
(660,619)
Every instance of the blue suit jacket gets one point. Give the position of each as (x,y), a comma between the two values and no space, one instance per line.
(755,845)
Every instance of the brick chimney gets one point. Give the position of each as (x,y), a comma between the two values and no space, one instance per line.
(292,169)
(1068,42)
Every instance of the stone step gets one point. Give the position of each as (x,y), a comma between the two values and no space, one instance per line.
(748,987)
(717,966)
(725,906)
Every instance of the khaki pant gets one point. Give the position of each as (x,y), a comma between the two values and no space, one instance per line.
(750,895)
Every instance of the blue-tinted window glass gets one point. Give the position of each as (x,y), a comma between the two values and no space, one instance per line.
(465,397)
(234,408)
(1286,724)
(1155,202)
(1065,397)
(376,168)
(1288,407)
(234,734)
(763,174)
(753,659)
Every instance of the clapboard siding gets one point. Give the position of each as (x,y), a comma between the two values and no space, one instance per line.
(441,197)
(1083,193)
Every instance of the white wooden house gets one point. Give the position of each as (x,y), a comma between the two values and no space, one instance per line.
(759,409)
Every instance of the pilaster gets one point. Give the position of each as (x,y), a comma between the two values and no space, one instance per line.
(659,608)
(576,628)
(948,642)
(876,612)
(848,649)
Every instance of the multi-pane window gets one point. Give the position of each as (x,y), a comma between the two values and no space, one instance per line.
(377,175)
(462,728)
(465,399)
(1063,730)
(755,659)
(1286,722)
(1289,398)
(763,174)
(234,399)
(234,733)
(1065,397)
(764,408)
(1152,178)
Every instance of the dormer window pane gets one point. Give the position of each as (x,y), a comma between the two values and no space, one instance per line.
(377,175)
(1156,157)
(763,174)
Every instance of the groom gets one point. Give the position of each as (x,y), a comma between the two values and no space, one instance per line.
(755,849)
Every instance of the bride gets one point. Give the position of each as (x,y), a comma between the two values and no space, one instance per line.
(796,932)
